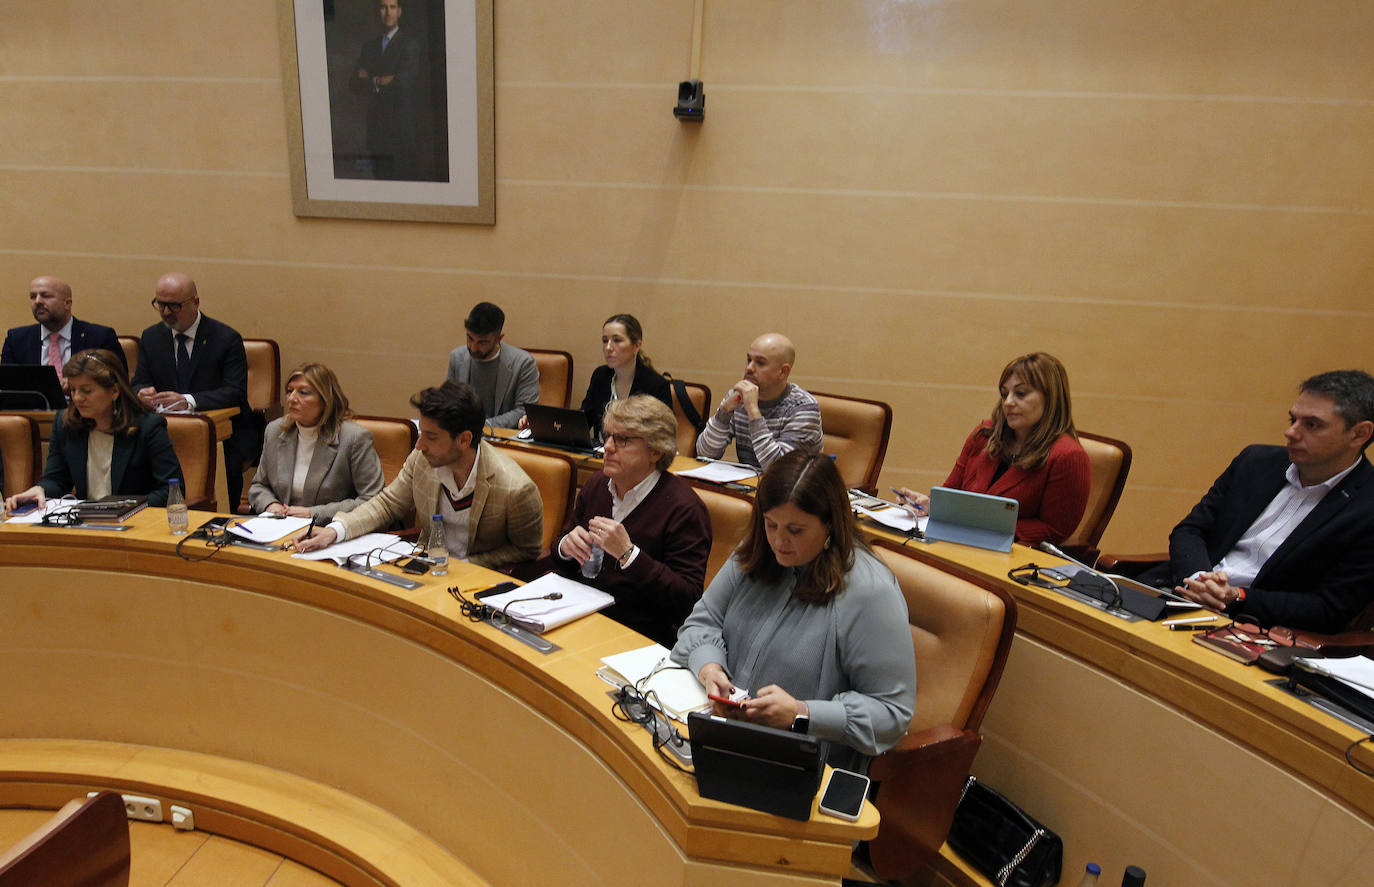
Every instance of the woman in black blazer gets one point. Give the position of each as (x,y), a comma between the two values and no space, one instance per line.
(106,442)
(627,369)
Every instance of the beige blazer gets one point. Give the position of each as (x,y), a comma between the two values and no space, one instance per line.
(506,524)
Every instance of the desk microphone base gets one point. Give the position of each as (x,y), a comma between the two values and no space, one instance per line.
(370,573)
(525,636)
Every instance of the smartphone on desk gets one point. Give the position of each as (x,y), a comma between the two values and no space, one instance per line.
(844,795)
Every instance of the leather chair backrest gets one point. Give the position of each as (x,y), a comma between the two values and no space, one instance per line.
(21,450)
(700,396)
(130,346)
(960,631)
(86,844)
(730,516)
(556,477)
(856,434)
(555,376)
(393,439)
(264,376)
(193,437)
(1110,462)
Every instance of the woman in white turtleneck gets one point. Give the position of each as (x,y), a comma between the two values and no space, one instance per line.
(315,463)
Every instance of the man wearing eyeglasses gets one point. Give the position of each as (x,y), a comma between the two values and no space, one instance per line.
(492,512)
(190,362)
(1286,534)
(57,335)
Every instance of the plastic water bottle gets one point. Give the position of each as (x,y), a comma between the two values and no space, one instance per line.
(438,545)
(177,519)
(1090,875)
(1134,877)
(591,567)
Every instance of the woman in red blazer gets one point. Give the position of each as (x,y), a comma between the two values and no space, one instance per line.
(1028,451)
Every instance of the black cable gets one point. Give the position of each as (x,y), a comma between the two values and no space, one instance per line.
(1351,761)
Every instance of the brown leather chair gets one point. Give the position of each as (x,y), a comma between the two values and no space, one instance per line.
(731,514)
(130,346)
(856,434)
(193,437)
(22,451)
(1110,460)
(264,377)
(700,396)
(85,844)
(393,439)
(962,631)
(556,477)
(555,376)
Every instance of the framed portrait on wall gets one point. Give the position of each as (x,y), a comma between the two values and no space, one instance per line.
(389,107)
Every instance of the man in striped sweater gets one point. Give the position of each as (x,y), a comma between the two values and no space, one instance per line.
(765,413)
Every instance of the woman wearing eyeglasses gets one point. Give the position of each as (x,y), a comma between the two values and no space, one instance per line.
(315,463)
(105,443)
(807,620)
(653,531)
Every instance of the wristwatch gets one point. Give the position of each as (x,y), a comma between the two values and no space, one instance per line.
(625,558)
(801,724)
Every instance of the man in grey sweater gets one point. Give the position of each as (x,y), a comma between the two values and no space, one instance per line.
(506,377)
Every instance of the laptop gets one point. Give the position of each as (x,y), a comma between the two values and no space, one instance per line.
(975,519)
(30,386)
(762,768)
(559,426)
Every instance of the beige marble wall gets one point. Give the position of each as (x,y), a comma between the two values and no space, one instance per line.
(1174,198)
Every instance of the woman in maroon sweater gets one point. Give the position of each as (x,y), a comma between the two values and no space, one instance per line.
(653,529)
(1028,451)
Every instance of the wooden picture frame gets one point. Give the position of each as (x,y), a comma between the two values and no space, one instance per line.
(412,137)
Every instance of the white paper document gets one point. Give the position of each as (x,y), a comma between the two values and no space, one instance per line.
(1357,671)
(269,529)
(896,517)
(575,601)
(676,690)
(36,515)
(721,472)
(384,547)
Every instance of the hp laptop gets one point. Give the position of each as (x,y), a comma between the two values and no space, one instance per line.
(972,518)
(559,427)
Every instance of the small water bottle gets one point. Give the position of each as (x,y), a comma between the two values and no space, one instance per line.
(177,519)
(1134,877)
(591,567)
(438,545)
(1090,875)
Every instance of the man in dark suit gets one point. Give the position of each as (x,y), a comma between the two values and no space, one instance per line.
(191,361)
(1286,535)
(388,73)
(50,300)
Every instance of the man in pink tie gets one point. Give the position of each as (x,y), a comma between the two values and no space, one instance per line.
(57,335)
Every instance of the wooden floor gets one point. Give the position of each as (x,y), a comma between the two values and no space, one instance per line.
(165,857)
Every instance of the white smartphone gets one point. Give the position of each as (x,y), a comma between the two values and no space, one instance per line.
(844,795)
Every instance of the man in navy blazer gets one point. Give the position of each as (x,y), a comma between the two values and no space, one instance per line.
(1286,535)
(50,300)
(191,361)
(388,73)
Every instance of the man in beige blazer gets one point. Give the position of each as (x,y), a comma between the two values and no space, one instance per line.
(491,509)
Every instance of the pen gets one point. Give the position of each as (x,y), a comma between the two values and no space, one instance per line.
(240,526)
(906,500)
(310,532)
(1204,627)
(1191,619)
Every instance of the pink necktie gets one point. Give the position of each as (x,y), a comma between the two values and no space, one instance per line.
(55,354)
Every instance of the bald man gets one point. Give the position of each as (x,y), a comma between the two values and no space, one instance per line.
(50,300)
(764,413)
(190,361)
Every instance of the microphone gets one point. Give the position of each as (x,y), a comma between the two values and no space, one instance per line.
(551,596)
(1139,603)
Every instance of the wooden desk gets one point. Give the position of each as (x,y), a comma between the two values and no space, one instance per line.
(491,754)
(222,419)
(1141,747)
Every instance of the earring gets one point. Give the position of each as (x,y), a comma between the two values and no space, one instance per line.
(827,542)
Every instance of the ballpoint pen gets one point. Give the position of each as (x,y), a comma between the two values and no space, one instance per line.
(907,500)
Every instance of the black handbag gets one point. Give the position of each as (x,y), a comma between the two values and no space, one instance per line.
(1000,840)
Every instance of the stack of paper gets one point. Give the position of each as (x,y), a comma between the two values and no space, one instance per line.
(676,690)
(528,606)
(1356,671)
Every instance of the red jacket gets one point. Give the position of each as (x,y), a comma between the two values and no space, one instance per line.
(1053,497)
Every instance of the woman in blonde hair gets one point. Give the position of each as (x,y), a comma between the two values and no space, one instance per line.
(808,620)
(106,442)
(1028,451)
(315,463)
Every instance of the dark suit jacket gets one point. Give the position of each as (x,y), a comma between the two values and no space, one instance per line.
(142,463)
(646,381)
(1051,498)
(1321,577)
(391,110)
(219,374)
(23,344)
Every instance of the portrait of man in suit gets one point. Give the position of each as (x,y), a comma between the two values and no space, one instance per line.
(57,335)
